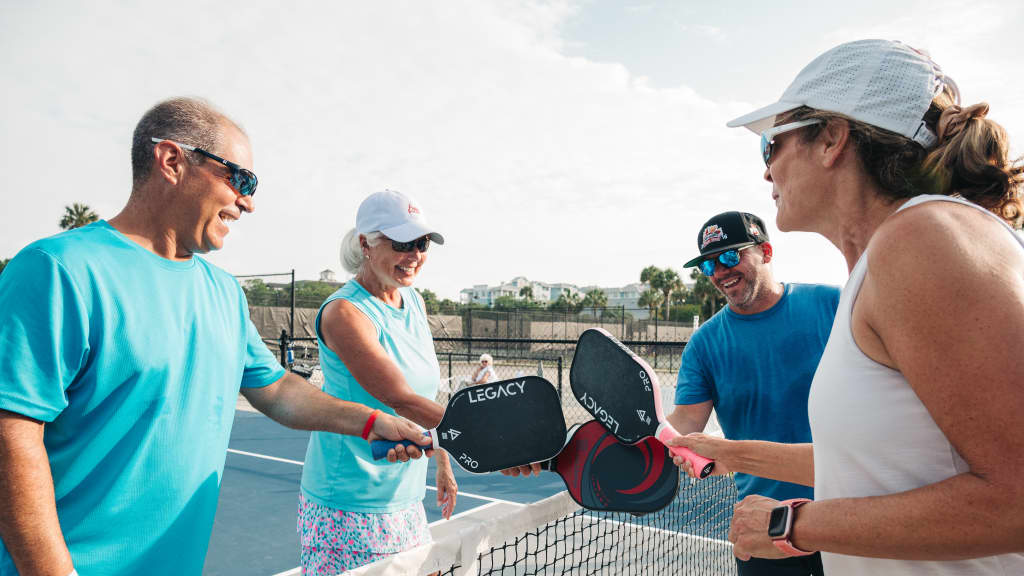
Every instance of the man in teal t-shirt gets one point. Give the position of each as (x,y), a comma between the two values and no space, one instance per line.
(754,360)
(123,355)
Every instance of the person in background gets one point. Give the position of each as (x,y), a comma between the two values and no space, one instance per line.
(483,373)
(375,349)
(753,361)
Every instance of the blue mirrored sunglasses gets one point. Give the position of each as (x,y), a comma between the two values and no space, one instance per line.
(243,181)
(768,138)
(728,259)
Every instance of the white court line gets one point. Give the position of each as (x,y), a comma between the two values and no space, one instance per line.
(297,463)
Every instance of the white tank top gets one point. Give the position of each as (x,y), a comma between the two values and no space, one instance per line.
(873,436)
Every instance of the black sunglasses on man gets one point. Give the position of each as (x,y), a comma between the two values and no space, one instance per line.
(243,181)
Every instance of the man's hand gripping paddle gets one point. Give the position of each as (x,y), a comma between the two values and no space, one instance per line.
(499,425)
(602,473)
(621,391)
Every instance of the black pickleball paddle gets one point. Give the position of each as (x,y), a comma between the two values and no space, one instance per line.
(498,425)
(621,391)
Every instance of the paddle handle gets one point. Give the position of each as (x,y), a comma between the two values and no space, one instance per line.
(379,448)
(703,465)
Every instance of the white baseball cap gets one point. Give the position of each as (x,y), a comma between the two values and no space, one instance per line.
(883,83)
(396,216)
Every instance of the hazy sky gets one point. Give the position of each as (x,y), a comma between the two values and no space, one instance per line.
(565,141)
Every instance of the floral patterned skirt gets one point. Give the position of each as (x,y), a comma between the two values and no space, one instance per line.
(334,541)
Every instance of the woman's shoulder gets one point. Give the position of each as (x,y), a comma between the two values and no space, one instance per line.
(935,222)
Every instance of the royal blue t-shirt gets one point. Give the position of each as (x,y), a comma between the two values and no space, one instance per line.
(134,363)
(757,370)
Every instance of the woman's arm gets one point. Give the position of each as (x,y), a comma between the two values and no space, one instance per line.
(351,335)
(777,461)
(944,303)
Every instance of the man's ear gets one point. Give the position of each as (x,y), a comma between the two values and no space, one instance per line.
(168,162)
(766,249)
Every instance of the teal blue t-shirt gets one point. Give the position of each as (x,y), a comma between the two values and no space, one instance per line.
(134,363)
(757,370)
(339,471)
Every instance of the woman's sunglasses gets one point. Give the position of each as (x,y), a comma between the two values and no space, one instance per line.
(243,181)
(420,244)
(768,137)
(728,259)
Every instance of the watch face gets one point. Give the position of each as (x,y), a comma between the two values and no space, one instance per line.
(777,523)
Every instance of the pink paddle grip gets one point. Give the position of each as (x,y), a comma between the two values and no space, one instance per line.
(703,466)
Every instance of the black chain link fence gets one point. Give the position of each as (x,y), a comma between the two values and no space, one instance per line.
(459,358)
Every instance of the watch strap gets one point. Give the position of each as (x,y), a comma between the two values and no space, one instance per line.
(784,543)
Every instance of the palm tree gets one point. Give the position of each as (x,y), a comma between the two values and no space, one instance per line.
(652,276)
(651,299)
(76,216)
(595,298)
(670,282)
(526,293)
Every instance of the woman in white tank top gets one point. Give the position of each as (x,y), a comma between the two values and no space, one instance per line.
(916,406)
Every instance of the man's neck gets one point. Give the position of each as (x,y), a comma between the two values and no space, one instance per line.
(147,224)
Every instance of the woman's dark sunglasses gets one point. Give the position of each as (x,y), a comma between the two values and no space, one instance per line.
(420,244)
(728,259)
(243,181)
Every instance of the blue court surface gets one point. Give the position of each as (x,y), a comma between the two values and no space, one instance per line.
(254,531)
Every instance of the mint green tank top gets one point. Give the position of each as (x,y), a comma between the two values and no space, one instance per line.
(339,471)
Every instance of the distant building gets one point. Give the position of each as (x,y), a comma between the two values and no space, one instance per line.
(327,275)
(627,297)
(486,295)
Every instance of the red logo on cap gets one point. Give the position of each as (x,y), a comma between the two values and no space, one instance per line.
(754,230)
(711,234)
(413,209)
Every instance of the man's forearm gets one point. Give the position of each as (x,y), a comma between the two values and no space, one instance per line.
(777,461)
(29,525)
(295,403)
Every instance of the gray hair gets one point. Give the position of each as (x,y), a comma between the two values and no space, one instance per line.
(487,357)
(351,253)
(191,121)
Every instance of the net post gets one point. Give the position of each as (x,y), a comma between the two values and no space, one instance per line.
(559,378)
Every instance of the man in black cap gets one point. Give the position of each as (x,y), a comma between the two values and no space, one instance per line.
(753,363)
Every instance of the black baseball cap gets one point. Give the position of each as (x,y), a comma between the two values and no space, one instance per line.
(726,231)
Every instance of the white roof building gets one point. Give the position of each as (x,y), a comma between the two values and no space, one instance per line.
(627,297)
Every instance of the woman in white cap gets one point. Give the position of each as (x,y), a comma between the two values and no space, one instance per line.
(915,409)
(375,349)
